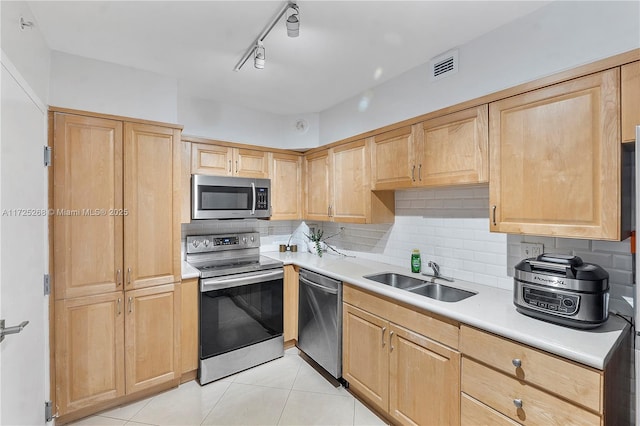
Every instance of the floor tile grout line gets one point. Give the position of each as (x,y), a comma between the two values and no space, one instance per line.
(216,404)
(290,390)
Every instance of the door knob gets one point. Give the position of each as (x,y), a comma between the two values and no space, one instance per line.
(11,330)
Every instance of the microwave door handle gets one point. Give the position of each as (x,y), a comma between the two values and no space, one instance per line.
(253,204)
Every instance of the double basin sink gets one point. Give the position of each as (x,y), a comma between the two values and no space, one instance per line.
(437,291)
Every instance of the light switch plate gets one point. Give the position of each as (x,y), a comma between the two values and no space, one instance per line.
(531,249)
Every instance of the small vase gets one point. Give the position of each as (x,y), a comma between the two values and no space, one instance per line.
(311,247)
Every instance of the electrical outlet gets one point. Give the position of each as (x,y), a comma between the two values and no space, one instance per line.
(531,249)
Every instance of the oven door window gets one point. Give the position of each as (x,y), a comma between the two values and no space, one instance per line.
(233,318)
(225,197)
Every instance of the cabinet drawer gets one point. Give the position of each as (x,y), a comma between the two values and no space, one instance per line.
(437,328)
(475,413)
(562,377)
(500,391)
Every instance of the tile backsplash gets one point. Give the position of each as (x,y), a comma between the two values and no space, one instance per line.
(449,226)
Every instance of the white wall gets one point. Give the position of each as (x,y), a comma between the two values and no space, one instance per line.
(26,49)
(560,36)
(215,120)
(91,85)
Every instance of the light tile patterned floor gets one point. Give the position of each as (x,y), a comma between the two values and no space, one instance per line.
(287,391)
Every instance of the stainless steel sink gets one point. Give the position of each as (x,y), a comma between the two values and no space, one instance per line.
(442,292)
(395,280)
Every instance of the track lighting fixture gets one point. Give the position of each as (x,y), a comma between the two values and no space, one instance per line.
(293,22)
(257,48)
(259,56)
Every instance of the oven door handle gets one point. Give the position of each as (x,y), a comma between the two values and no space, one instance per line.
(318,286)
(211,284)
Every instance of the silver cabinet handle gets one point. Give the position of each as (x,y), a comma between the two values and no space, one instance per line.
(236,166)
(383,330)
(413,173)
(517,362)
(420,172)
(119,311)
(391,341)
(229,166)
(493,209)
(118,278)
(518,403)
(130,303)
(128,276)
(11,330)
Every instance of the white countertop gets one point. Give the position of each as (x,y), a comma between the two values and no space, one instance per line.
(491,309)
(189,271)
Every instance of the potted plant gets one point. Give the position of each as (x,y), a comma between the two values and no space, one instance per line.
(315,237)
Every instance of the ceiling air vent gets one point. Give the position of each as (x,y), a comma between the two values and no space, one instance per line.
(444,65)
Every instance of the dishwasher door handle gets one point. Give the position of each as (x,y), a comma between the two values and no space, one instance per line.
(318,286)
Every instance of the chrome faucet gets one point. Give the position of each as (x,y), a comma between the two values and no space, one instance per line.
(436,269)
(436,272)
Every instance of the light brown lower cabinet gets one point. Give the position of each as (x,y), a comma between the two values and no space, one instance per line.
(290,325)
(116,344)
(405,375)
(506,382)
(190,327)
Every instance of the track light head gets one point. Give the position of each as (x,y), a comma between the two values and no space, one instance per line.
(259,56)
(293,22)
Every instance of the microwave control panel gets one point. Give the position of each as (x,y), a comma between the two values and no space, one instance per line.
(262,198)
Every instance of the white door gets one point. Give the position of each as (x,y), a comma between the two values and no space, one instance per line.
(23,356)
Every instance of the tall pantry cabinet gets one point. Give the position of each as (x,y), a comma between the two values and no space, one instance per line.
(116,259)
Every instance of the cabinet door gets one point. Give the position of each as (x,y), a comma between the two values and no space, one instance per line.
(555,160)
(350,177)
(152,337)
(290,303)
(151,224)
(286,187)
(392,159)
(87,167)
(89,351)
(251,163)
(424,380)
(630,101)
(317,186)
(211,159)
(365,357)
(189,325)
(454,149)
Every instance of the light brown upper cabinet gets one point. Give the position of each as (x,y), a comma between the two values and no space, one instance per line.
(630,100)
(338,187)
(555,160)
(393,159)
(453,149)
(228,161)
(286,186)
(151,243)
(447,150)
(88,178)
(317,197)
(115,198)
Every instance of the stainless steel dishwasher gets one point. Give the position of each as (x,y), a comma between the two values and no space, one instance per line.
(320,320)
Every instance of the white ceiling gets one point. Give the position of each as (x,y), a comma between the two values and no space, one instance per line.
(344,47)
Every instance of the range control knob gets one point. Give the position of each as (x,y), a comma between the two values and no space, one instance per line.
(196,243)
(252,238)
(206,243)
(244,240)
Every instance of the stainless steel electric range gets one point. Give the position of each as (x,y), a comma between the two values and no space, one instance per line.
(241,303)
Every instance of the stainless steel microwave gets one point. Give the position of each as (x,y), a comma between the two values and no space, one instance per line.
(225,197)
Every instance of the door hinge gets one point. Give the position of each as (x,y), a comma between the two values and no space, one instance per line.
(47,285)
(48,412)
(47,156)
